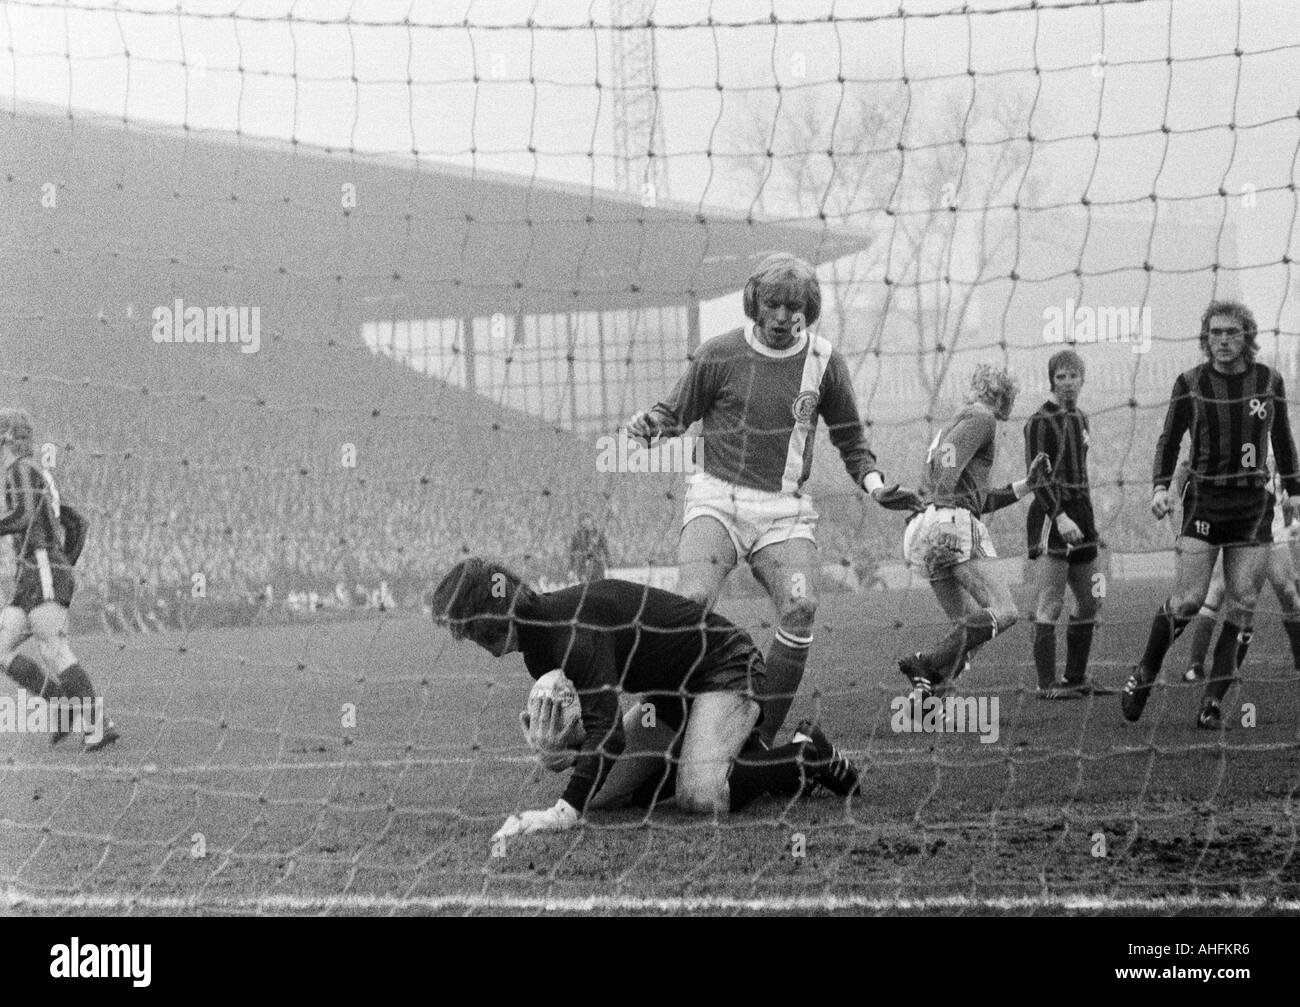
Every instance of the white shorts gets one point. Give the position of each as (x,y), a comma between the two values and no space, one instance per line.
(941,537)
(753,518)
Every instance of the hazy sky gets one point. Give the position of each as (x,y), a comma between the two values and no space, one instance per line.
(352,74)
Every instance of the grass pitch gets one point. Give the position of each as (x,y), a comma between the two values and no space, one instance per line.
(361,767)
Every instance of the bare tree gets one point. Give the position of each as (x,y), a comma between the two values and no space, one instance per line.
(938,186)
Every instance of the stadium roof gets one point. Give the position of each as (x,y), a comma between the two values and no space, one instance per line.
(235,220)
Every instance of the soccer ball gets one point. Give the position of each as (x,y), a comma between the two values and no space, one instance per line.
(569,732)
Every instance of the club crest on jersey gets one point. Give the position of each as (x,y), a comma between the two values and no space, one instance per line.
(1257,408)
(804,407)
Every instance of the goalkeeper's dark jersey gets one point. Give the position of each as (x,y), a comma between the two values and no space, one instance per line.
(612,636)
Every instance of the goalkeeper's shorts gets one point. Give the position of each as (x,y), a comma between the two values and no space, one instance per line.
(753,518)
(736,666)
(940,538)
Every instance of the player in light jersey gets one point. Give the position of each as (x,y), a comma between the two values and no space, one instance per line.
(947,542)
(758,393)
(1281,574)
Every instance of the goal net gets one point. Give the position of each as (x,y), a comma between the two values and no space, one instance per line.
(309,301)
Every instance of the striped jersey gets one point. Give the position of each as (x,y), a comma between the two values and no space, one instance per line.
(759,410)
(31,511)
(959,461)
(1063,435)
(1232,419)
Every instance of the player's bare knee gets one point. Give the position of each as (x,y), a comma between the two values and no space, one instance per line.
(1049,610)
(1006,616)
(1243,603)
(704,795)
(701,596)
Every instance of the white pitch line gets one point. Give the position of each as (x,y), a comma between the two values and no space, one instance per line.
(867,756)
(14,899)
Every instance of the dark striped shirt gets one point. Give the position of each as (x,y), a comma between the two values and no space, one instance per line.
(32,512)
(1062,434)
(1232,419)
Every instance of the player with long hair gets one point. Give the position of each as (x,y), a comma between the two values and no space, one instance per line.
(758,393)
(1234,408)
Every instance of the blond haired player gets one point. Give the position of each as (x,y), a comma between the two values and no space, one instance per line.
(759,393)
(947,543)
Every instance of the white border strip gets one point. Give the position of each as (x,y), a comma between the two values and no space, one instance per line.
(17,900)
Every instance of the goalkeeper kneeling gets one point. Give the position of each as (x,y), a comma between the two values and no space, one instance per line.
(692,735)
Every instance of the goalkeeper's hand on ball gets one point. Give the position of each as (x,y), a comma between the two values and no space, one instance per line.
(552,722)
(561,816)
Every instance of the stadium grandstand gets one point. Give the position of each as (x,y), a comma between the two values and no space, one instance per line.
(432,347)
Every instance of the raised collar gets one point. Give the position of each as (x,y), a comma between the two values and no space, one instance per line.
(758,346)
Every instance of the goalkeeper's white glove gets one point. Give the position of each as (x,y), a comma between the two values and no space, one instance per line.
(561,816)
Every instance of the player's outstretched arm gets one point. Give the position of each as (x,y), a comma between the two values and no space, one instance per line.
(1178,420)
(898,497)
(1285,458)
(689,400)
(1040,472)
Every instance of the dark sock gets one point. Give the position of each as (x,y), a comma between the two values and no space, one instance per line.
(1045,653)
(1292,627)
(1202,631)
(27,673)
(1229,652)
(785,665)
(1078,645)
(76,683)
(974,630)
(1165,629)
(757,772)
(660,787)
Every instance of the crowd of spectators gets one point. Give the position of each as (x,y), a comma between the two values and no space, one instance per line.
(194,528)
(238,544)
